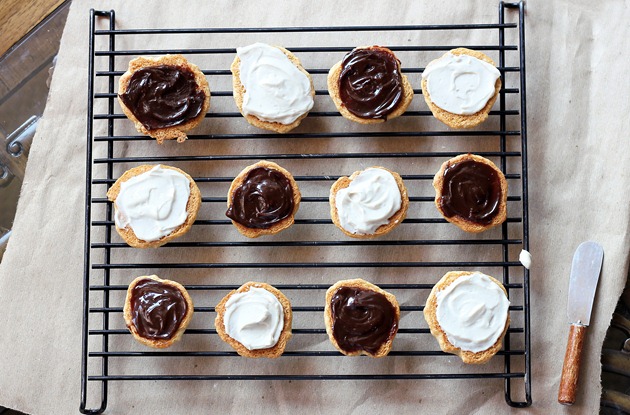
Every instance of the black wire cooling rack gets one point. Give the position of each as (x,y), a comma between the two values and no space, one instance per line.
(210,258)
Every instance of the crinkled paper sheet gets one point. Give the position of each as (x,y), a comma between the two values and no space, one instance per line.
(578,149)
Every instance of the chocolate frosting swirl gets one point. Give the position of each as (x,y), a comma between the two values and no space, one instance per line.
(370,83)
(471,190)
(157,309)
(163,96)
(263,199)
(362,319)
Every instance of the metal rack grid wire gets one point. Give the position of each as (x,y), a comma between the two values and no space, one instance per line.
(105,340)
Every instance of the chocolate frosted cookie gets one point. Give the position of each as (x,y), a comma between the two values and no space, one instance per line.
(471,192)
(164,96)
(361,318)
(157,311)
(368,87)
(263,200)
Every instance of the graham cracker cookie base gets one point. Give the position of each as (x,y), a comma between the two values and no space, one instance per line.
(430,315)
(177,132)
(328,318)
(158,344)
(465,225)
(192,207)
(285,335)
(394,220)
(458,121)
(239,92)
(333,91)
(276,227)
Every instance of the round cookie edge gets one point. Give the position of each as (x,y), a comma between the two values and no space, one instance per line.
(458,121)
(395,220)
(158,344)
(239,92)
(177,132)
(277,227)
(332,82)
(192,207)
(430,315)
(463,224)
(362,284)
(271,352)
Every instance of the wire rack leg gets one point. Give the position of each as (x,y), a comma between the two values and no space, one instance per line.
(94,14)
(520,6)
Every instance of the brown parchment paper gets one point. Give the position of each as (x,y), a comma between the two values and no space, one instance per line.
(578,152)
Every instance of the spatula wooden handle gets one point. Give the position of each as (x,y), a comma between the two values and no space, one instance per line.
(571,366)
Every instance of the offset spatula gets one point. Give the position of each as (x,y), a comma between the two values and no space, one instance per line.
(587,263)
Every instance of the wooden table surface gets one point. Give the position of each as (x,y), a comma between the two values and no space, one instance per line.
(18,17)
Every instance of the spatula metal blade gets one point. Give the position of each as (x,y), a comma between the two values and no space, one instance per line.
(587,264)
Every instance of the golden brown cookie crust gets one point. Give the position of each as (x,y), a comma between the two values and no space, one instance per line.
(285,335)
(177,132)
(158,344)
(333,91)
(438,182)
(458,121)
(361,284)
(192,207)
(239,92)
(394,221)
(430,315)
(276,227)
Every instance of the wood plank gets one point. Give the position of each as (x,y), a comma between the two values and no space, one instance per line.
(18,17)
(40,47)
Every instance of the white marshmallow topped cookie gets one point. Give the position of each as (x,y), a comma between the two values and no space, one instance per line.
(255,320)
(468,313)
(154,204)
(271,88)
(369,203)
(461,87)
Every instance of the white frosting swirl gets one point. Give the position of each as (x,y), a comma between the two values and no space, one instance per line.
(472,311)
(526,258)
(153,203)
(254,318)
(275,89)
(460,84)
(368,202)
